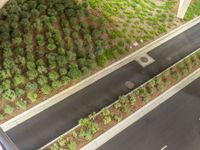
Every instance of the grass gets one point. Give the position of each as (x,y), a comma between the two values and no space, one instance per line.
(193,10)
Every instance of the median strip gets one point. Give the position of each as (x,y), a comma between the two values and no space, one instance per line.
(98,128)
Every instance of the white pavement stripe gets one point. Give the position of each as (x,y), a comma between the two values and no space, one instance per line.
(164,147)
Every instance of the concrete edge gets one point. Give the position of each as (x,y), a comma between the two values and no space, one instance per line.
(51,142)
(91,79)
(141,112)
(2,3)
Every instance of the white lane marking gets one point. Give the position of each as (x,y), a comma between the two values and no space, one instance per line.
(164,147)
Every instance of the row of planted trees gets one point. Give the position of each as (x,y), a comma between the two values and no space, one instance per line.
(97,123)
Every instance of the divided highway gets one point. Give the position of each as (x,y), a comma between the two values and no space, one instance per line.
(174,125)
(49,124)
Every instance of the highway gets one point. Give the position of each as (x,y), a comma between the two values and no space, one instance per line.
(49,124)
(174,125)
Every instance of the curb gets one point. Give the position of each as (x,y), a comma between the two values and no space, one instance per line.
(91,79)
(2,3)
(141,112)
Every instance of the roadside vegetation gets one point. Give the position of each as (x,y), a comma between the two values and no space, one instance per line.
(46,46)
(193,11)
(97,123)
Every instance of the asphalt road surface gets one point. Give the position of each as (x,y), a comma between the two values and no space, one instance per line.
(49,124)
(174,125)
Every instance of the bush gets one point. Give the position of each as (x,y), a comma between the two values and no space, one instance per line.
(31,87)
(72,145)
(17,40)
(51,47)
(32,74)
(22,104)
(5,85)
(19,79)
(46,89)
(74,72)
(40,40)
(1,117)
(31,65)
(9,95)
(32,96)
(61,60)
(19,92)
(101,60)
(42,80)
(8,110)
(53,75)
(117,118)
(42,69)
(56,84)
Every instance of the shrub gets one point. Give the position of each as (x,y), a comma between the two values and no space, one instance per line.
(9,95)
(54,146)
(61,51)
(51,47)
(61,60)
(56,84)
(32,96)
(42,69)
(19,92)
(17,40)
(31,65)
(22,104)
(117,118)
(101,59)
(72,145)
(74,71)
(19,51)
(1,117)
(31,87)
(65,79)
(53,75)
(8,110)
(19,79)
(46,89)
(42,80)
(63,71)
(5,85)
(40,40)
(38,25)
(107,119)
(32,74)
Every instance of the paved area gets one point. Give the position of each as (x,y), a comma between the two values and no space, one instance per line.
(61,117)
(174,125)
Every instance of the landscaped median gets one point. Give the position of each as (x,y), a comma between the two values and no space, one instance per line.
(47,46)
(97,123)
